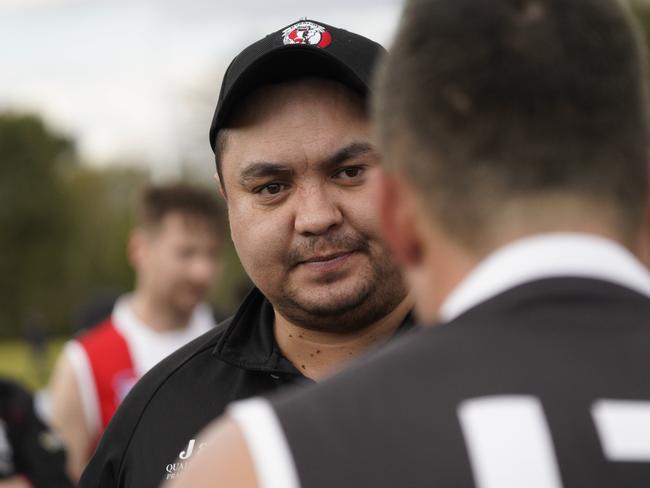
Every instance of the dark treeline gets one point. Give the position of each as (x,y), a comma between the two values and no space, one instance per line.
(62,226)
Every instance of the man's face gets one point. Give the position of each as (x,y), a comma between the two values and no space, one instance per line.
(297,169)
(177,262)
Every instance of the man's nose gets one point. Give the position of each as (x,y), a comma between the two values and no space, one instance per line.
(316,211)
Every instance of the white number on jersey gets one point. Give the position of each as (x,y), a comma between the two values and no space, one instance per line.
(510,445)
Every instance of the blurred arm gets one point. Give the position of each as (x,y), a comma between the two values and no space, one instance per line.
(68,417)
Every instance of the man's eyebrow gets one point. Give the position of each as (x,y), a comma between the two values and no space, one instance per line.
(264,169)
(350,151)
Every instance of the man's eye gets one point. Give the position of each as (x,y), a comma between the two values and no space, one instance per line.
(349,172)
(270,189)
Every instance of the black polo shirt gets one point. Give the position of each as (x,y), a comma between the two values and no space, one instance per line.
(153,434)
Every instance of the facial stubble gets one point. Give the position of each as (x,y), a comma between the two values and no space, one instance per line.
(380,290)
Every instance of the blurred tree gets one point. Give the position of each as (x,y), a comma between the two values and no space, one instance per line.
(33,217)
(101,203)
(63,226)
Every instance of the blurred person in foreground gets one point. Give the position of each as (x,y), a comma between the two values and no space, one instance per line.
(174,251)
(515,137)
(31,455)
(295,163)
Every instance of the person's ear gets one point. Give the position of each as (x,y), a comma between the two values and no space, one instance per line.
(399,218)
(136,248)
(217,179)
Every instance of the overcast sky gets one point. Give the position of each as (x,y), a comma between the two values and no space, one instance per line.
(138,79)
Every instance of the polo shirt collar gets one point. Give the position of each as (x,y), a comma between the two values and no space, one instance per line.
(249,342)
(551,255)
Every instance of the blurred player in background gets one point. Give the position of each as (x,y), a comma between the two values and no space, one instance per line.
(31,456)
(515,136)
(174,251)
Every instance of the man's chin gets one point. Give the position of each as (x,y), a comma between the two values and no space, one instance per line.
(330,300)
(350,304)
(331,313)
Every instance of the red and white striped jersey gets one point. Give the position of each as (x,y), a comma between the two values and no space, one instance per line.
(110,358)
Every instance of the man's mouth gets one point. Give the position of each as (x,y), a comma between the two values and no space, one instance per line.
(323,258)
(330,262)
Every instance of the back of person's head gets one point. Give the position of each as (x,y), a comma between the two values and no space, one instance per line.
(191,202)
(493,105)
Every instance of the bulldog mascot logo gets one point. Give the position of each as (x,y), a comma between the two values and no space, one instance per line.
(307,33)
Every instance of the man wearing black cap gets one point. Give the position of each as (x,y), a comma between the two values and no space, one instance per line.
(295,166)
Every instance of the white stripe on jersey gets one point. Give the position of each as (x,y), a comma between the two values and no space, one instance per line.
(274,466)
(86,383)
(624,429)
(509,442)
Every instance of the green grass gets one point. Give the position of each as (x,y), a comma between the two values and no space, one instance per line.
(18,363)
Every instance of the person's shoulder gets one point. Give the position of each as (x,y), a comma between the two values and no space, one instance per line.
(179,359)
(97,334)
(203,344)
(125,426)
(156,378)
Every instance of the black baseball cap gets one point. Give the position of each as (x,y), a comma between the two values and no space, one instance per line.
(305,48)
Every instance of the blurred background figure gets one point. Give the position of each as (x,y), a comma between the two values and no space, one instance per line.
(31,456)
(173,250)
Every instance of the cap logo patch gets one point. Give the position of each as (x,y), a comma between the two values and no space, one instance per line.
(306,32)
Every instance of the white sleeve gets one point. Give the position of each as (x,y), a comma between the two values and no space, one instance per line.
(266,442)
(87,389)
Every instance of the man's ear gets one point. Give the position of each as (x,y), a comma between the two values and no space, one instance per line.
(217,179)
(136,247)
(399,218)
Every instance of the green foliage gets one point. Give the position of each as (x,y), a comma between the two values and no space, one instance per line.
(63,226)
(33,216)
(102,203)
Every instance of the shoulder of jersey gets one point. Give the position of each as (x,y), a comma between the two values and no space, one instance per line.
(176,360)
(96,333)
(145,389)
